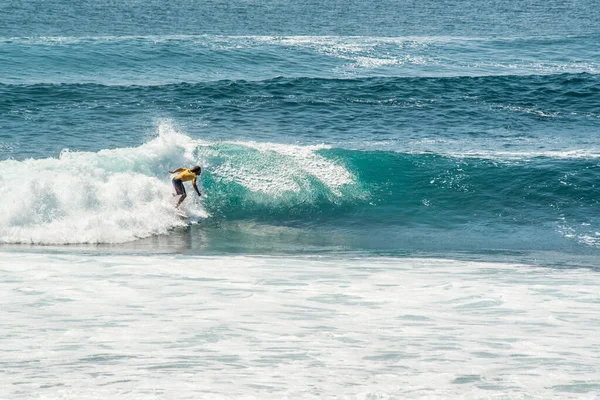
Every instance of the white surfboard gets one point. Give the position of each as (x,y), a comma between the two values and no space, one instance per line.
(181,214)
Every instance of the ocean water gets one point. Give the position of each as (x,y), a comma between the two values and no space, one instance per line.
(400,199)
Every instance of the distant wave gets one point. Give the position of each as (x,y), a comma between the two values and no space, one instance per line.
(541,96)
(122,60)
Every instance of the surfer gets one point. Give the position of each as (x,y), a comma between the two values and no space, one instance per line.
(184,176)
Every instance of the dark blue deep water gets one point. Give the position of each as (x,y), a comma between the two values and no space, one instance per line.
(380,127)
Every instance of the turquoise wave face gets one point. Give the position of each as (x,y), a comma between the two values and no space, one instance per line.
(395,191)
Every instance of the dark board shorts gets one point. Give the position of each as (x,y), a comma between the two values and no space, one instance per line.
(178,185)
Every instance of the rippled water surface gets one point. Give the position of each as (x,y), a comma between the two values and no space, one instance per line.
(399,199)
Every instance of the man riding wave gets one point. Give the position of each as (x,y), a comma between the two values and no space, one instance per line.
(184,176)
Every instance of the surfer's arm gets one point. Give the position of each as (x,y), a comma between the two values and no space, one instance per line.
(177,170)
(196,188)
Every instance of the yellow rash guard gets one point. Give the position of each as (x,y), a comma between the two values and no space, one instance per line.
(187,175)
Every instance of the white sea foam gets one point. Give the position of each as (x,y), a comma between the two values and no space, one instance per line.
(80,197)
(175,327)
(476,149)
(302,162)
(528,155)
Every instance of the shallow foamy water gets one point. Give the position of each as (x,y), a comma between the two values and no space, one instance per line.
(174,327)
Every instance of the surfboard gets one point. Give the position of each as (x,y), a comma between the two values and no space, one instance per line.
(181,214)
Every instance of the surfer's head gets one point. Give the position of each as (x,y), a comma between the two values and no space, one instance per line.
(196,170)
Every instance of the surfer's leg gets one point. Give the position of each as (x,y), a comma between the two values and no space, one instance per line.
(181,199)
(179,190)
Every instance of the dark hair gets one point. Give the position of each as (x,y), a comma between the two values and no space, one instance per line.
(196,170)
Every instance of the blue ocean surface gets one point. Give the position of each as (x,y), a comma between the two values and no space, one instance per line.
(374,174)
(370,144)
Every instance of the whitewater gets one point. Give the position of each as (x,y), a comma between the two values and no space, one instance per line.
(163,327)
